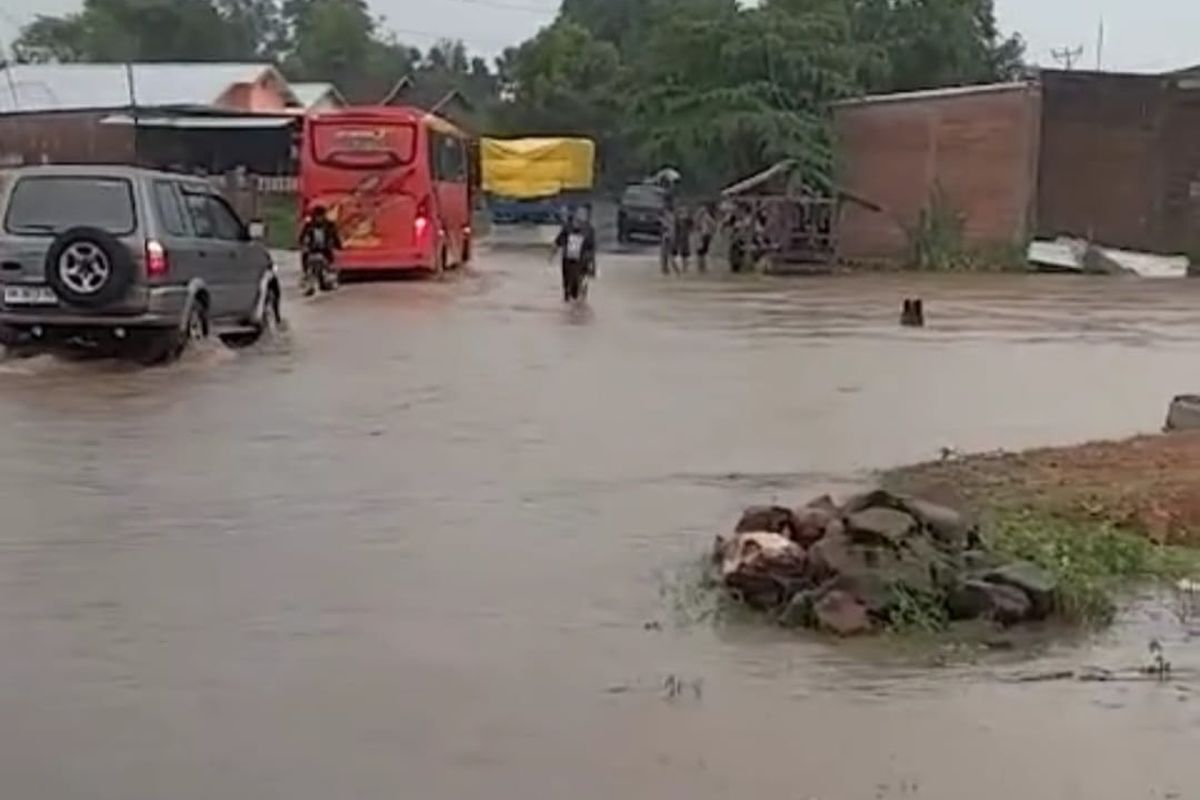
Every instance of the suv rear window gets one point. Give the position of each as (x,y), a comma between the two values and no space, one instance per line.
(645,196)
(51,205)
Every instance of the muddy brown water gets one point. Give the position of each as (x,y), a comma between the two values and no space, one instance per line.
(410,550)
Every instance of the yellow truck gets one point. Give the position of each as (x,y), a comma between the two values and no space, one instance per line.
(532,180)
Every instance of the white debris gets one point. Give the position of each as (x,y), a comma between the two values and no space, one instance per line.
(1071,255)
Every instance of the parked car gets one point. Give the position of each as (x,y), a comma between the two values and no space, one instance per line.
(127,261)
(640,211)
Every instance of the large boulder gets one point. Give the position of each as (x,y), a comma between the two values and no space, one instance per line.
(876,574)
(1037,584)
(771,519)
(841,613)
(813,523)
(951,529)
(976,599)
(876,498)
(881,526)
(764,568)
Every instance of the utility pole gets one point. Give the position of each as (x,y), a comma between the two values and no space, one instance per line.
(133,108)
(1067,56)
(7,66)
(1100,47)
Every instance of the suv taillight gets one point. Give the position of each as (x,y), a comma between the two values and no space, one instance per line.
(157,264)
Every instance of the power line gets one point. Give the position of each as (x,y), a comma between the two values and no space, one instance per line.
(438,37)
(504,6)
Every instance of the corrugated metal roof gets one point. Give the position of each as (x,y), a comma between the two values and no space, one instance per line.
(75,87)
(202,121)
(309,94)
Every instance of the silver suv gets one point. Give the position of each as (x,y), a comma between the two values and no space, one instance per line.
(128,261)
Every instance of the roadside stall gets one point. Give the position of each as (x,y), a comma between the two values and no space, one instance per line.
(796,230)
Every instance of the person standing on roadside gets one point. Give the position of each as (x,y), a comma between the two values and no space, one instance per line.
(666,245)
(683,239)
(706,228)
(740,235)
(576,241)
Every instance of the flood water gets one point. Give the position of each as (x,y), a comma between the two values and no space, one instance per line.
(411,550)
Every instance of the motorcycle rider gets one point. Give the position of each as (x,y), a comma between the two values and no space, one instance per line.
(319,236)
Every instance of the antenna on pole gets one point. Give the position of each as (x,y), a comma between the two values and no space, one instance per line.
(1067,56)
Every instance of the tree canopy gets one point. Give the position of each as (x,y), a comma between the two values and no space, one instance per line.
(713,87)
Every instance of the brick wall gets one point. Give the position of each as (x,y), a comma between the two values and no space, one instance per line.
(979,145)
(1099,168)
(64,138)
(1120,160)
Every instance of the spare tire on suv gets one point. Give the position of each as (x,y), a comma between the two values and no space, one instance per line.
(89,267)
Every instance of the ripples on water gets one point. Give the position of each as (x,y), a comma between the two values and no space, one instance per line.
(410,549)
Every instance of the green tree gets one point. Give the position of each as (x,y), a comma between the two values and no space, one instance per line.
(728,93)
(151,30)
(563,81)
(53,39)
(932,43)
(615,21)
(333,40)
(256,26)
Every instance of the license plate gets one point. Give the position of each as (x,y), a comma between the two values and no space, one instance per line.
(29,296)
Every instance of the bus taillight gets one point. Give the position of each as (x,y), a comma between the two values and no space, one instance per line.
(421,222)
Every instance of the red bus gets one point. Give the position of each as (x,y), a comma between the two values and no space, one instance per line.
(397,183)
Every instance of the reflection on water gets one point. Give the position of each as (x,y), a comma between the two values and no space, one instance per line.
(413,549)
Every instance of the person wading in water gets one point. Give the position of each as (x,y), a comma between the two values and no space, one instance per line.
(576,241)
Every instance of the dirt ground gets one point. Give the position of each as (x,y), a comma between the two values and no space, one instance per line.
(1150,484)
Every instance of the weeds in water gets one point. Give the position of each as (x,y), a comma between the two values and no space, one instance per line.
(938,241)
(1091,562)
(694,596)
(917,612)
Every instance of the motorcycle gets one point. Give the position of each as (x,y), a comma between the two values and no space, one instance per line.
(318,273)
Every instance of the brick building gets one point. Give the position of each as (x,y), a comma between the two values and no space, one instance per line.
(199,116)
(1114,158)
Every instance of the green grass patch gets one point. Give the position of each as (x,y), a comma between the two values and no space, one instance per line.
(280,214)
(917,612)
(1093,562)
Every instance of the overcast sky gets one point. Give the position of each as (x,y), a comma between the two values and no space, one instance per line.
(1140,35)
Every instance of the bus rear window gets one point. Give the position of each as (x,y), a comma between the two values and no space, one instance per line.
(363,145)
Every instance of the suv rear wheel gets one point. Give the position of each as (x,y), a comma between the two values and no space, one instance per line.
(157,347)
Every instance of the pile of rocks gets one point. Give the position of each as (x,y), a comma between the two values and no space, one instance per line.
(853,568)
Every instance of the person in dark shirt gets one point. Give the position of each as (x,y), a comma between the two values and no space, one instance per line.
(319,234)
(706,226)
(576,241)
